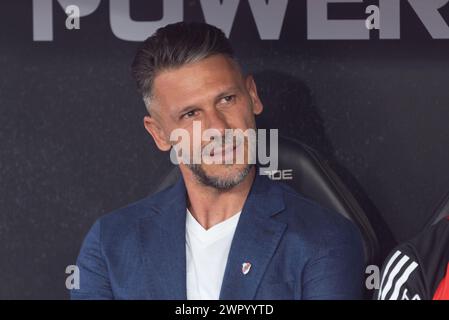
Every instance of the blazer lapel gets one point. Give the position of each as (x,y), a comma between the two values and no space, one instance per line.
(162,237)
(162,242)
(255,240)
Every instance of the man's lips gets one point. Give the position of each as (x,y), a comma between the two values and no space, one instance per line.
(224,151)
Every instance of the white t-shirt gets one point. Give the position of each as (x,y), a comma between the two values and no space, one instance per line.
(207,253)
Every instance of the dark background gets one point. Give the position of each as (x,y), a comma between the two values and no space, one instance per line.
(73,146)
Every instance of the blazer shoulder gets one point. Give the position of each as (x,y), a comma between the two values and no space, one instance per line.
(129,214)
(314,222)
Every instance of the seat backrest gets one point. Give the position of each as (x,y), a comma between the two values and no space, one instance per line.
(441,211)
(312,177)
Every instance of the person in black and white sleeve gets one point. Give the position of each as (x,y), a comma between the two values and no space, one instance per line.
(418,269)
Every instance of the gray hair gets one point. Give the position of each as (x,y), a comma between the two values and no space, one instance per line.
(173,46)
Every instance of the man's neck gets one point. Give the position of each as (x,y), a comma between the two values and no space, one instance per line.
(210,206)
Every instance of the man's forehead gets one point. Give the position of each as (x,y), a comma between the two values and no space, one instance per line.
(195,80)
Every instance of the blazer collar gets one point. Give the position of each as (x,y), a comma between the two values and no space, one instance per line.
(255,240)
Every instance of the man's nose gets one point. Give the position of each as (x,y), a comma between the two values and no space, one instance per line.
(216,120)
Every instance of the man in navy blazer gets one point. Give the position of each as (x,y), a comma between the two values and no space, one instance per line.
(222,231)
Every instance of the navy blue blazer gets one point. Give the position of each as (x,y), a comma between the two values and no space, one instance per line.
(297,250)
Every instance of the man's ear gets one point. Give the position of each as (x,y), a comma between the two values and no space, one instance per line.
(252,90)
(153,127)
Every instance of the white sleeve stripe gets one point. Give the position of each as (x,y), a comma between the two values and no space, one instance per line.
(392,275)
(387,269)
(402,280)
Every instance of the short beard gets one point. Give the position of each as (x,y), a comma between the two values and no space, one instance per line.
(218,183)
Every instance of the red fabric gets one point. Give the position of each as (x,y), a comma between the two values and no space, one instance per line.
(442,292)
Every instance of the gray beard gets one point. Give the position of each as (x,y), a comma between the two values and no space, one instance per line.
(218,183)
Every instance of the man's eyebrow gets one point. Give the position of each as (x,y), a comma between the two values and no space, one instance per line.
(186,109)
(222,94)
(226,92)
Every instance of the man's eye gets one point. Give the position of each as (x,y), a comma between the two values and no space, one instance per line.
(189,114)
(228,99)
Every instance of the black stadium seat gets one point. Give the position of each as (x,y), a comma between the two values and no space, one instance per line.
(313,178)
(441,211)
